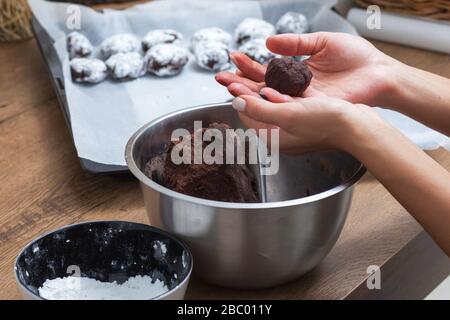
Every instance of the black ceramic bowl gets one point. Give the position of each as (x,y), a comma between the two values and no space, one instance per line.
(106,251)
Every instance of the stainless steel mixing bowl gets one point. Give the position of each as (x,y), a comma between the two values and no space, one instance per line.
(250,245)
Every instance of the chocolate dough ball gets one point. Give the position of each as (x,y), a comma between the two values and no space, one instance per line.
(288,76)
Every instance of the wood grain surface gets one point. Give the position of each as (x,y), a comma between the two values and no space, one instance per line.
(43,187)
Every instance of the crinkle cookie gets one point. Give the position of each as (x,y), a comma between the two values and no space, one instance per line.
(119,43)
(159,36)
(292,22)
(213,56)
(212,34)
(252,28)
(88,70)
(125,66)
(256,49)
(166,59)
(78,45)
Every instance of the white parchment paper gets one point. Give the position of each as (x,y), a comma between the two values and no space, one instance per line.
(104,116)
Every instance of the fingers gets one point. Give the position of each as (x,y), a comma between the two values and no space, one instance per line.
(279,114)
(251,69)
(238,89)
(227,78)
(257,125)
(251,123)
(274,96)
(239,73)
(296,45)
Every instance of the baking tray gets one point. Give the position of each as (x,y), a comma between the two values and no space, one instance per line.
(54,68)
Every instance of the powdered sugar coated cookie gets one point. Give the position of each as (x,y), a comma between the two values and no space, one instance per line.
(159,36)
(252,28)
(128,65)
(166,59)
(88,70)
(78,45)
(119,43)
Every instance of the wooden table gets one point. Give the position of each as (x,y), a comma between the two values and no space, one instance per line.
(43,187)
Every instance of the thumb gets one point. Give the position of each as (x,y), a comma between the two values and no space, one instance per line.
(279,114)
(296,45)
(274,96)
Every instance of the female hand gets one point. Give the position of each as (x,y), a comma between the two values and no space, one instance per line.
(343,66)
(305,124)
(318,123)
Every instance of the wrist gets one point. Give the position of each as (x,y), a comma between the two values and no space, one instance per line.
(363,132)
(402,87)
(395,77)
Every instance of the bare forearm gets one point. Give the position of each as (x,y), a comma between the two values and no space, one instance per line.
(420,184)
(422,95)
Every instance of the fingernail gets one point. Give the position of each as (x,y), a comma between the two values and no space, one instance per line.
(219,80)
(234,93)
(261,93)
(239,104)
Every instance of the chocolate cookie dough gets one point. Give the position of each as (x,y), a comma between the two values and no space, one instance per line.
(288,76)
(165,60)
(78,45)
(220,182)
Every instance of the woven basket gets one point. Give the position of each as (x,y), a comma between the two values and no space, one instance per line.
(432,9)
(14,20)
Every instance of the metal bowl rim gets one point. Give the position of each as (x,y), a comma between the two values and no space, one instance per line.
(149,227)
(221,204)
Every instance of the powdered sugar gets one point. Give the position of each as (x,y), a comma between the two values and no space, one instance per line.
(81,288)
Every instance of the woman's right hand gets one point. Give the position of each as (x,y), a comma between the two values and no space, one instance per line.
(343,66)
